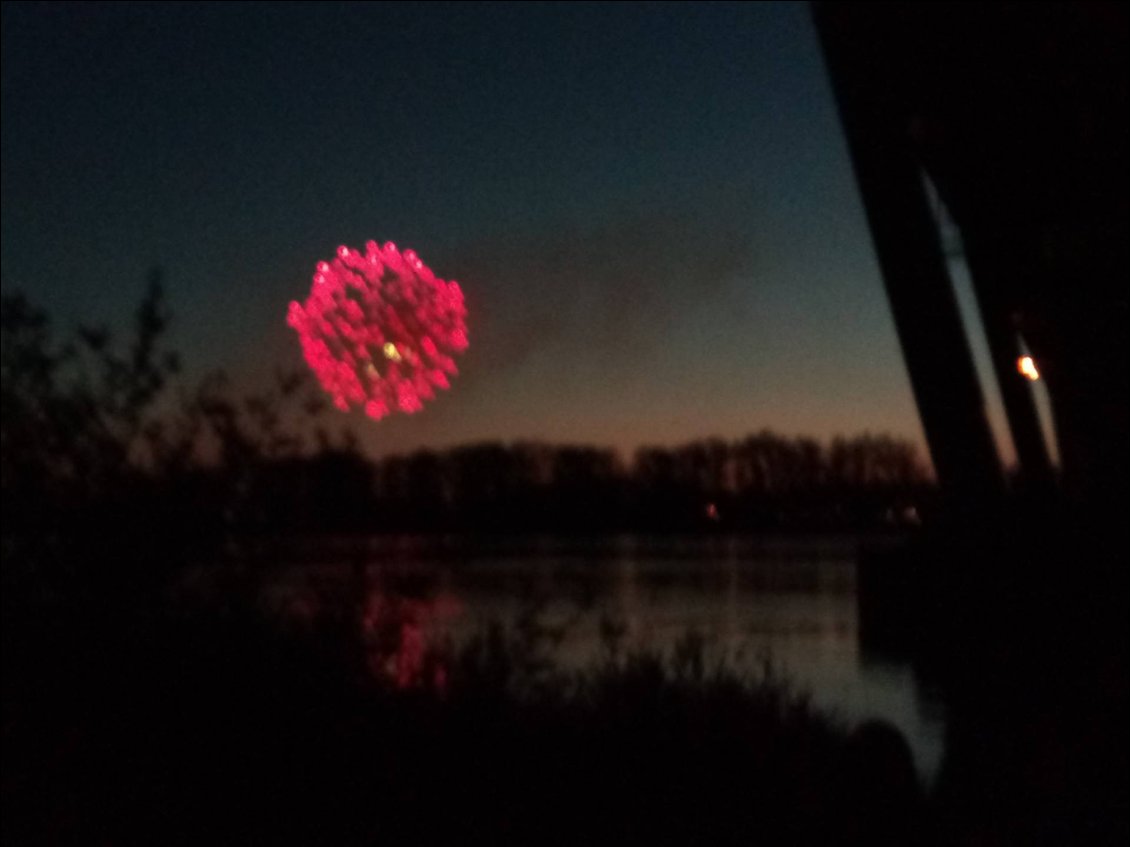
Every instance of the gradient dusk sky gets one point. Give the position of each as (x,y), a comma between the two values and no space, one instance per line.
(650,208)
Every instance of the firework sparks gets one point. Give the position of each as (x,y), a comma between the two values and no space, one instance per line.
(380,330)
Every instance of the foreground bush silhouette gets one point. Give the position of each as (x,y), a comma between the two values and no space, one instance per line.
(202,727)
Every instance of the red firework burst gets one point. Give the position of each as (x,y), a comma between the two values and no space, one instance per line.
(380,330)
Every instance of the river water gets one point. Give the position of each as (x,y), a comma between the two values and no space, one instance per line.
(790,603)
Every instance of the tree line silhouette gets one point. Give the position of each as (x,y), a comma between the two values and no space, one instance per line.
(761,482)
(95,437)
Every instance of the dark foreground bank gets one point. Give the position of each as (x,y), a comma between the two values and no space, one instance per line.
(183,726)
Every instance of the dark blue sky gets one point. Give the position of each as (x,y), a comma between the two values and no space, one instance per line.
(650,208)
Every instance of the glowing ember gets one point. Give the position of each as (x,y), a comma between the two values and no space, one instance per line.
(1027,366)
(380,330)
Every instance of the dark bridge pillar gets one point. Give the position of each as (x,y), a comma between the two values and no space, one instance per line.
(937,353)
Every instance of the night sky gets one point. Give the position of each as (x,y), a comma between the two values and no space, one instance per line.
(650,208)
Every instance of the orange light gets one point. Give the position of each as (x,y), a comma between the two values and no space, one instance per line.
(1027,366)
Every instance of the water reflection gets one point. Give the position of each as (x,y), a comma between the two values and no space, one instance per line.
(790,604)
(401,636)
